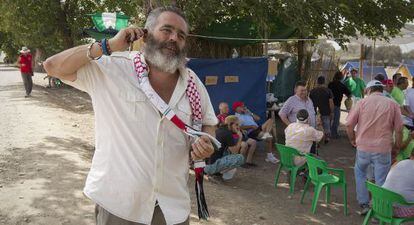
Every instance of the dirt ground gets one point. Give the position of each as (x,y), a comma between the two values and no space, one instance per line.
(47,143)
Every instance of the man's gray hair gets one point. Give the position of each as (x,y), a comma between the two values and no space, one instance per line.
(154,14)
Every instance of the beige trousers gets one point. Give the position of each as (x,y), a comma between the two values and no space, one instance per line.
(104,217)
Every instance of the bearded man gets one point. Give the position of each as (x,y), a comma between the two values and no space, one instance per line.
(140,167)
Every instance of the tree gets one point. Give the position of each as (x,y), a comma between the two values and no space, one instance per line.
(52,25)
(409,55)
(391,55)
(339,19)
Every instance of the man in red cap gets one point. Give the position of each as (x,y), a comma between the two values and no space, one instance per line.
(248,123)
(388,86)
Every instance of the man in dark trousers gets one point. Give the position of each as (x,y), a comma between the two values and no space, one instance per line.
(338,90)
(322,99)
(25,64)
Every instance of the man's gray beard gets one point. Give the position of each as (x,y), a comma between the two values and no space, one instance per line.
(168,64)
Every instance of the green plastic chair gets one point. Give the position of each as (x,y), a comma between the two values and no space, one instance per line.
(321,175)
(383,201)
(287,162)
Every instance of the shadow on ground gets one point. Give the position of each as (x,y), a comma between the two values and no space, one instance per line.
(66,98)
(250,198)
(55,175)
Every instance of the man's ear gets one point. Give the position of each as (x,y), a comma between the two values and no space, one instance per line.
(144,38)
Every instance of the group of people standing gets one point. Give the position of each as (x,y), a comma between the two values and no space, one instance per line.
(300,112)
(378,126)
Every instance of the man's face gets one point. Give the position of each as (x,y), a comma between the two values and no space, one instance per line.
(404,85)
(354,73)
(235,127)
(389,88)
(224,108)
(301,92)
(241,109)
(165,44)
(171,32)
(396,78)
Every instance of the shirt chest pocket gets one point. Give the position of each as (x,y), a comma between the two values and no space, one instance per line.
(184,113)
(134,104)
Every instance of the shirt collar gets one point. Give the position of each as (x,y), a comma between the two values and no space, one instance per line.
(376,93)
(302,99)
(301,124)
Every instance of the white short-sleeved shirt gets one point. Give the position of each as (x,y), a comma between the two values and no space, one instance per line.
(140,157)
(301,137)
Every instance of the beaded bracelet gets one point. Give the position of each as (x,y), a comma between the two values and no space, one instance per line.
(106,50)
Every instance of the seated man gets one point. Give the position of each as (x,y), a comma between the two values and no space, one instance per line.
(407,146)
(400,179)
(248,144)
(224,112)
(249,125)
(300,135)
(225,161)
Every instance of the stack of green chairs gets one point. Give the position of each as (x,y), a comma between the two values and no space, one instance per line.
(383,202)
(322,176)
(287,156)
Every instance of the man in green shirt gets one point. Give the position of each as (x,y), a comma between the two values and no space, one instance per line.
(398,95)
(355,84)
(398,91)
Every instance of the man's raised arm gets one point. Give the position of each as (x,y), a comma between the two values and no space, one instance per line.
(65,64)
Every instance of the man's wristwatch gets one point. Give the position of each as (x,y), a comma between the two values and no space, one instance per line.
(88,53)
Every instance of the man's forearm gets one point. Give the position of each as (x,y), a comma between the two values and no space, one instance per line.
(351,133)
(284,119)
(236,149)
(404,111)
(331,105)
(209,129)
(247,127)
(65,64)
(398,139)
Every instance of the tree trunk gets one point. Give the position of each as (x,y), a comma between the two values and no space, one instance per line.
(301,57)
(38,57)
(64,28)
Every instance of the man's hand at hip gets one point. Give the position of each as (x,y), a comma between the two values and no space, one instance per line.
(202,148)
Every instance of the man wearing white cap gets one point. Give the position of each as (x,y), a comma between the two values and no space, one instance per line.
(377,118)
(25,64)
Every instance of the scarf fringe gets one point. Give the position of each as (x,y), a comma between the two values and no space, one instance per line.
(201,200)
